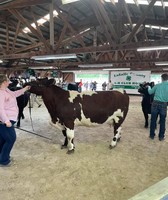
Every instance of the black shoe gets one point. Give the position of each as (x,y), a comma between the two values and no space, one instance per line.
(5,164)
(161,139)
(152,137)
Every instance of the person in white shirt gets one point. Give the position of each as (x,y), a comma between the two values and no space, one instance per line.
(109,85)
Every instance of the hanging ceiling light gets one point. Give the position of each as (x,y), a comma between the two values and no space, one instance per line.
(117,69)
(161,63)
(54,57)
(152,48)
(43,67)
(96,65)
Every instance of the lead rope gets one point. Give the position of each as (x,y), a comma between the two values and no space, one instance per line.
(30,113)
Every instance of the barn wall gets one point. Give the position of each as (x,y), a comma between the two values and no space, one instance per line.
(68,77)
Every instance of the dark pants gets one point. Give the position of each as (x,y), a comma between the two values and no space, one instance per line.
(158,108)
(7,140)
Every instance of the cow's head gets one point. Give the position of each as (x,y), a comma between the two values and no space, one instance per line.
(37,86)
(143,87)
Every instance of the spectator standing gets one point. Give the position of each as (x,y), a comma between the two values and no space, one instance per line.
(94,86)
(86,85)
(104,85)
(159,106)
(91,85)
(80,86)
(110,85)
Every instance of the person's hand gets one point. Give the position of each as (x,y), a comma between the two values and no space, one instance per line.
(27,87)
(8,124)
(149,87)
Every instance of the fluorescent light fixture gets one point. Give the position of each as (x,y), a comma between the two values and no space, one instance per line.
(96,65)
(1,61)
(42,67)
(54,57)
(68,1)
(165,69)
(161,63)
(70,71)
(152,48)
(141,2)
(117,69)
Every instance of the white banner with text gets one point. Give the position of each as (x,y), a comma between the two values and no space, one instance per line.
(129,80)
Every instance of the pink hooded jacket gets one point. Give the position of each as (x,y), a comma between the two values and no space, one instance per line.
(8,104)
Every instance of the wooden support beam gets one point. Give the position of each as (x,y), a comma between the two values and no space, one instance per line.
(135,29)
(23,3)
(52,24)
(91,49)
(7,37)
(15,37)
(101,22)
(68,24)
(106,18)
(128,16)
(33,30)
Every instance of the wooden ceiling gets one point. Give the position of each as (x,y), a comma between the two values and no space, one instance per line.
(96,30)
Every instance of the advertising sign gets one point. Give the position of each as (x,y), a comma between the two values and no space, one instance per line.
(129,80)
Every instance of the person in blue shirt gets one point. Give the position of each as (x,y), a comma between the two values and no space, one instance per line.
(159,107)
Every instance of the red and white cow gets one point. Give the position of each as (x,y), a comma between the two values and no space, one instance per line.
(70,108)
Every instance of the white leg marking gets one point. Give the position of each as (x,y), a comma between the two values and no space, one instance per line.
(116,137)
(70,135)
(115,117)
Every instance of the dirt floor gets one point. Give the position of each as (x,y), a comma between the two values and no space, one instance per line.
(42,171)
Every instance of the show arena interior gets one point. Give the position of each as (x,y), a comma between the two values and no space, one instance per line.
(89,41)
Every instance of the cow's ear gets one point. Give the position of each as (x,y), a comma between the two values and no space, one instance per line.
(50,82)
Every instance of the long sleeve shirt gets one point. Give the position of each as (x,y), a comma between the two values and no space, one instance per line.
(8,104)
(160,91)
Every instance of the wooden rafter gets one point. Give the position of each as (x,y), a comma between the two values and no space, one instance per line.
(113,41)
(141,20)
(7,37)
(68,24)
(101,22)
(106,19)
(15,37)
(61,37)
(119,24)
(128,16)
(23,3)
(33,30)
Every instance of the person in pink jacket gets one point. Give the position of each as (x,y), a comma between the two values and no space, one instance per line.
(8,117)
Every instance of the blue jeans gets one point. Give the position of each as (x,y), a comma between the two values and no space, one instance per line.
(7,140)
(158,109)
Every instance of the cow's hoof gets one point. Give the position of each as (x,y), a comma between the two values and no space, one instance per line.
(111,147)
(63,147)
(70,151)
